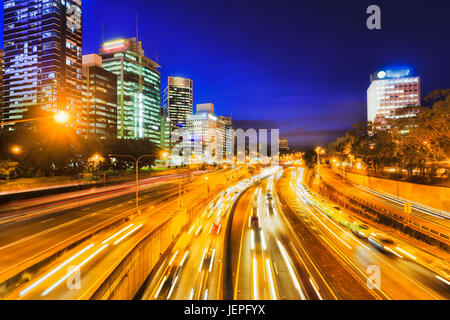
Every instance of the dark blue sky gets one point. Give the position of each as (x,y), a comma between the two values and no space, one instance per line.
(300,66)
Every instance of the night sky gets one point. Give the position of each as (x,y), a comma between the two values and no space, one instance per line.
(300,66)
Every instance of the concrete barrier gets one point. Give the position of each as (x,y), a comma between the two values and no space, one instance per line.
(127,278)
(437,198)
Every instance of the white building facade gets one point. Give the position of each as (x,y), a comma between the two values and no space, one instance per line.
(390,91)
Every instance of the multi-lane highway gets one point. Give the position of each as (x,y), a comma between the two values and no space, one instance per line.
(261,237)
(194,267)
(400,270)
(265,260)
(33,230)
(96,257)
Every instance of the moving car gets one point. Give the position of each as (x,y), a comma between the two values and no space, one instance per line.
(215,227)
(360,229)
(254,222)
(383,243)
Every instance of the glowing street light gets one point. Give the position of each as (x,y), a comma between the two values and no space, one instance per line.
(62,117)
(319,150)
(16,149)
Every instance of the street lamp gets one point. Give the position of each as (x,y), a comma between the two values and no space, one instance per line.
(319,150)
(136,160)
(60,117)
(16,149)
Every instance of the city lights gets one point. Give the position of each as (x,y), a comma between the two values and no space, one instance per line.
(244,152)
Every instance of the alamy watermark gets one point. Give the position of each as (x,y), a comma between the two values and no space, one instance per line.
(374,20)
(197,146)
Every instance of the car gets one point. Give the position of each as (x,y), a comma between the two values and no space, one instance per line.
(383,243)
(345,220)
(360,229)
(215,228)
(254,222)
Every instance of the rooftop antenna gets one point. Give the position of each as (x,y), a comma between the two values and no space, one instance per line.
(137,27)
(103,33)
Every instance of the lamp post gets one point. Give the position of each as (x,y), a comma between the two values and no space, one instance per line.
(136,160)
(318,151)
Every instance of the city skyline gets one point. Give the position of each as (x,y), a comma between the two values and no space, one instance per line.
(275,70)
(306,125)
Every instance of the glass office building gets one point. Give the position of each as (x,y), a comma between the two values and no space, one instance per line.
(178,99)
(390,91)
(138,89)
(42,60)
(100,97)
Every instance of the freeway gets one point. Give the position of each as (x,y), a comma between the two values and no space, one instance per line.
(53,223)
(267,263)
(193,270)
(79,272)
(389,265)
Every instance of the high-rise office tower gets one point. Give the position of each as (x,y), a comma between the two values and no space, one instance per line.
(1,81)
(207,135)
(42,60)
(100,95)
(138,89)
(390,91)
(178,99)
(283,143)
(228,135)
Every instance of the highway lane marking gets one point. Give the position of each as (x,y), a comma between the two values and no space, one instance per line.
(47,220)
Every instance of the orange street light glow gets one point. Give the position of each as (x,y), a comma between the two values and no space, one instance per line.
(16,149)
(62,117)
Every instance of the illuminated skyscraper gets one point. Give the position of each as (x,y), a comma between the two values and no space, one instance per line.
(178,99)
(138,89)
(100,89)
(283,143)
(1,81)
(390,91)
(229,134)
(42,60)
(208,135)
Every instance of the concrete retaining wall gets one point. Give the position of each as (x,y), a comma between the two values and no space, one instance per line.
(127,278)
(430,196)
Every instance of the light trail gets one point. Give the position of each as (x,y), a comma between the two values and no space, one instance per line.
(271,280)
(252,240)
(212,260)
(127,234)
(443,280)
(263,240)
(73,271)
(291,270)
(173,257)
(255,279)
(172,287)
(406,253)
(62,265)
(160,287)
(117,233)
(201,262)
(315,288)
